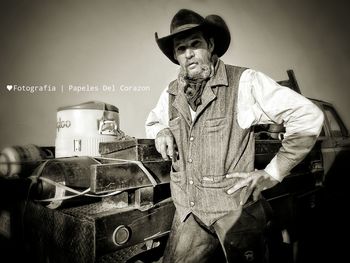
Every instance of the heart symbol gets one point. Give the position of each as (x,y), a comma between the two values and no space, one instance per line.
(9,87)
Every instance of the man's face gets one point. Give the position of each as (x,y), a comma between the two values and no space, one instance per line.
(193,53)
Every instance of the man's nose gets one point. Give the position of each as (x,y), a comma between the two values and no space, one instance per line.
(189,53)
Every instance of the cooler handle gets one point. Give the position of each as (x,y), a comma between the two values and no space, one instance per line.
(107,127)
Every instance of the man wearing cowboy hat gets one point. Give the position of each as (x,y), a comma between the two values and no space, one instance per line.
(203,122)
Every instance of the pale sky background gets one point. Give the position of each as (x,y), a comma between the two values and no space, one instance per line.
(112,43)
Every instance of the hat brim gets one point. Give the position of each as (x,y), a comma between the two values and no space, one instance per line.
(214,26)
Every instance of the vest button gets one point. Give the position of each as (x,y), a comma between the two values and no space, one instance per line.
(190,160)
(191,138)
(191,181)
(192,203)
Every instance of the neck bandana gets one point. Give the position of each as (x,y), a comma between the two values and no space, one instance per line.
(193,91)
(194,87)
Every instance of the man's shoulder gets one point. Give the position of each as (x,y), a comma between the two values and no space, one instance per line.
(233,71)
(235,67)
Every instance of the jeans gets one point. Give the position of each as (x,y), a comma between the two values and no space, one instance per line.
(241,236)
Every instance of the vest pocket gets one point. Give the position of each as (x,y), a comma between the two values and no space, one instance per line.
(213,148)
(175,166)
(217,181)
(177,179)
(214,125)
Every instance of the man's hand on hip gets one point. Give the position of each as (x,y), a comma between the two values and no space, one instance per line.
(257,181)
(165,143)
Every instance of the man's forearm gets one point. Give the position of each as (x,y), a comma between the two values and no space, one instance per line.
(293,151)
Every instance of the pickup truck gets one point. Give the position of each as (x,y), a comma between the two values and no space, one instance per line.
(308,203)
(133,226)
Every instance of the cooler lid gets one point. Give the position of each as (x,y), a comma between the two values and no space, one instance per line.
(91,105)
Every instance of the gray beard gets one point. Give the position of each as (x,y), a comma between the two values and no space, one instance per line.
(204,73)
(207,71)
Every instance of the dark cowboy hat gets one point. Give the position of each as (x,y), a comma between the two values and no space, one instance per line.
(186,22)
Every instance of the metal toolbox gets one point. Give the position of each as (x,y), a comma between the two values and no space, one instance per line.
(127,211)
(113,230)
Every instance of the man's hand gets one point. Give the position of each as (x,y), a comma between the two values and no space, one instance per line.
(165,143)
(257,181)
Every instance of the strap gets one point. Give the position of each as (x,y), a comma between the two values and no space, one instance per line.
(61,187)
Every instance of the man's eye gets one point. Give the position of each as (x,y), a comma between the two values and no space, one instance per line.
(180,49)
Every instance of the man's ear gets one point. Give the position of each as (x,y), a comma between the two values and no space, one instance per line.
(211,45)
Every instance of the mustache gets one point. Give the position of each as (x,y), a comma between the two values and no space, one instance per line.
(190,62)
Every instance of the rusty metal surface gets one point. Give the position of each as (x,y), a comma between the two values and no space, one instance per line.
(122,176)
(107,204)
(136,149)
(85,233)
(52,236)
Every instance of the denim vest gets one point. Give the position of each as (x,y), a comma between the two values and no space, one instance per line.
(209,147)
